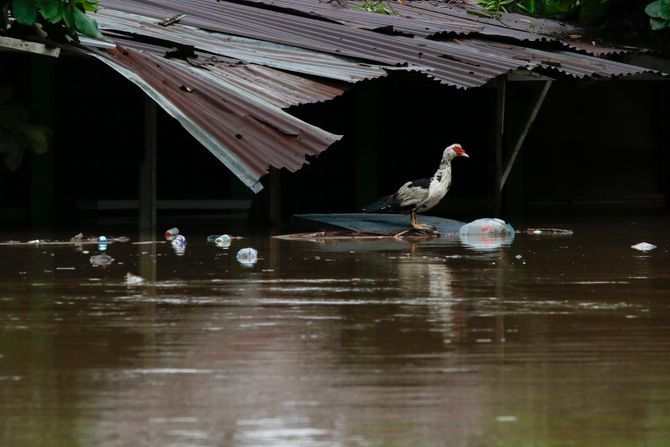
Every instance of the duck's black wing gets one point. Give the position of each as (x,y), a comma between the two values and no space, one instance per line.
(408,197)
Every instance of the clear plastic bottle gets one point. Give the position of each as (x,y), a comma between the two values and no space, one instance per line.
(171,233)
(247,256)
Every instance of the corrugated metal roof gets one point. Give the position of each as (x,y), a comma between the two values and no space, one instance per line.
(282,57)
(248,61)
(457,65)
(276,87)
(255,23)
(431,20)
(246,133)
(572,64)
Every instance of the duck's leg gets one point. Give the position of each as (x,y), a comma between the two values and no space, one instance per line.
(415,225)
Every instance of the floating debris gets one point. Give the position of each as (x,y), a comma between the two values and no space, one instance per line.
(549,232)
(247,256)
(223,241)
(77,237)
(487,226)
(643,246)
(102,260)
(171,233)
(133,280)
(179,245)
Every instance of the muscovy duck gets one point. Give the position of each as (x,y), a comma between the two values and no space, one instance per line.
(422,194)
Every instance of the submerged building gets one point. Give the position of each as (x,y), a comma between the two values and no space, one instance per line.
(262,109)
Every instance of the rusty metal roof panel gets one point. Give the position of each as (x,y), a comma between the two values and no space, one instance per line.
(593,48)
(274,86)
(449,62)
(244,132)
(282,57)
(424,19)
(572,64)
(271,26)
(529,28)
(405,21)
(430,20)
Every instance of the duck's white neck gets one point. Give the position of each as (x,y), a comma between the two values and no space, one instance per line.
(443,174)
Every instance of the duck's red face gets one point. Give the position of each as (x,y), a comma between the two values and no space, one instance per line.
(460,152)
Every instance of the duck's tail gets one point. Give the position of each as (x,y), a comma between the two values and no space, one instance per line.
(384,204)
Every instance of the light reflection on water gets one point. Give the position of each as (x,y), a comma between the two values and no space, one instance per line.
(547,341)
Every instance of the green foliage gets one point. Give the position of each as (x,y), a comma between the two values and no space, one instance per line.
(376,6)
(68,16)
(588,12)
(557,9)
(659,14)
(16,132)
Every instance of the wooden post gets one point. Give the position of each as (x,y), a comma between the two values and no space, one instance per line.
(524,132)
(367,116)
(500,131)
(274,195)
(147,193)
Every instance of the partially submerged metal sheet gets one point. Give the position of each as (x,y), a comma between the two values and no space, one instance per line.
(244,132)
(382,224)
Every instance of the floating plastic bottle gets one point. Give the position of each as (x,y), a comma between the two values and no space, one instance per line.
(171,233)
(247,256)
(223,241)
(179,244)
(102,243)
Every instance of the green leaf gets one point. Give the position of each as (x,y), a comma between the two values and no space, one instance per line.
(658,24)
(52,11)
(653,9)
(84,24)
(68,18)
(90,6)
(36,137)
(24,11)
(665,9)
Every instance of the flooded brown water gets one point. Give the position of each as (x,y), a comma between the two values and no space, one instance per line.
(552,341)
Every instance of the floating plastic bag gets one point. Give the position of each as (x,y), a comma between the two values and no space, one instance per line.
(643,246)
(486,234)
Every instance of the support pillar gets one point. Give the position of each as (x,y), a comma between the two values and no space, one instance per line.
(367,142)
(522,136)
(275,197)
(147,190)
(500,131)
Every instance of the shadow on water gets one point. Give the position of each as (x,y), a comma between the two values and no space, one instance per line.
(538,341)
